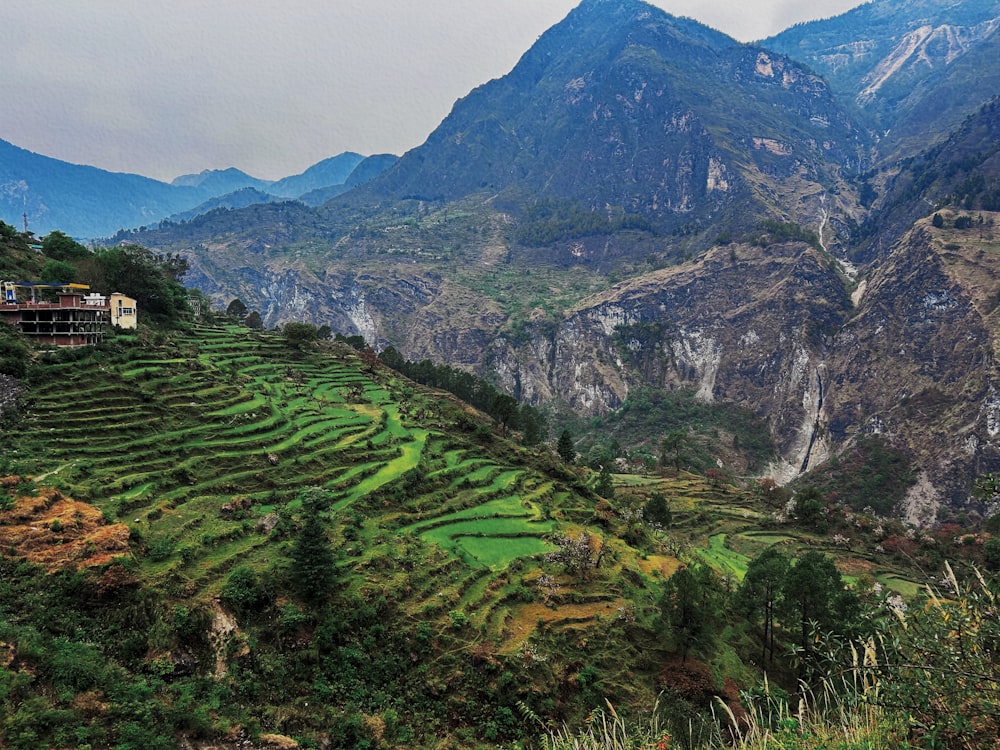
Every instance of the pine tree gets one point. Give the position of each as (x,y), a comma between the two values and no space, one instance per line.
(313,572)
(565,447)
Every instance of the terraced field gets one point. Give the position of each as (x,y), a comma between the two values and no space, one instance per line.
(202,446)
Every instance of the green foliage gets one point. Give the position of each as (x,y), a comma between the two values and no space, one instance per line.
(473,390)
(775,232)
(299,335)
(253,321)
(605,486)
(548,222)
(312,573)
(355,342)
(813,595)
(872,474)
(937,665)
(808,507)
(236,309)
(673,449)
(58,271)
(759,596)
(565,447)
(151,279)
(690,608)
(713,429)
(243,591)
(60,246)
(656,511)
(15,352)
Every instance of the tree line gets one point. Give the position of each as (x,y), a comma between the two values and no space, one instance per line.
(476,392)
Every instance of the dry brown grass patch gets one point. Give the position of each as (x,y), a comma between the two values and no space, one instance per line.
(57,532)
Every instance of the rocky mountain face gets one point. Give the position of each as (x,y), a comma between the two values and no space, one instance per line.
(918,68)
(645,202)
(626,110)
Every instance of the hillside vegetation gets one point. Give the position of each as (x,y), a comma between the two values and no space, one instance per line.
(218,534)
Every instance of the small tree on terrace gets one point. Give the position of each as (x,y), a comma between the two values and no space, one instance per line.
(299,335)
(565,447)
(577,555)
(237,309)
(254,321)
(313,572)
(672,449)
(689,607)
(504,410)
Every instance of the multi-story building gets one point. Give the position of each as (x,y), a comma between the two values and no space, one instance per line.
(62,314)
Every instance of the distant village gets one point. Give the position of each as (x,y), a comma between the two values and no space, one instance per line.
(63,314)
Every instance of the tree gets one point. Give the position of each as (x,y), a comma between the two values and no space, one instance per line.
(760,593)
(565,447)
(57,270)
(577,556)
(253,321)
(533,427)
(299,335)
(814,594)
(138,272)
(808,508)
(657,512)
(689,606)
(504,410)
(60,246)
(236,309)
(313,572)
(605,486)
(937,221)
(672,449)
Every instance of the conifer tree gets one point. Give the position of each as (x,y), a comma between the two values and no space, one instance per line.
(313,570)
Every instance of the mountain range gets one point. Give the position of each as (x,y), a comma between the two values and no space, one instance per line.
(88,203)
(804,227)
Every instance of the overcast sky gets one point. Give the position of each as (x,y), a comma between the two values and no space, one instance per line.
(168,87)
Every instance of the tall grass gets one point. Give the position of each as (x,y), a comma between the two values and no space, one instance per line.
(843,713)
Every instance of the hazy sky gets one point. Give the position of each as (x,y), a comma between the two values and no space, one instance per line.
(163,88)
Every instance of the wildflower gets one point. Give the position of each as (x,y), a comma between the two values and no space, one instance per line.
(664,742)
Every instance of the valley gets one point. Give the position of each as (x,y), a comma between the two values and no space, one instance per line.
(650,402)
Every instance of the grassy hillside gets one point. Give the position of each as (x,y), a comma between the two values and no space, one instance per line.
(163,577)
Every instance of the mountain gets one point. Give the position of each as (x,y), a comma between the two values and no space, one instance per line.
(643,203)
(240,198)
(366,170)
(80,200)
(217,182)
(87,202)
(625,110)
(917,67)
(333,171)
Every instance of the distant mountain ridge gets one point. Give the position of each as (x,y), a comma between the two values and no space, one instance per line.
(87,202)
